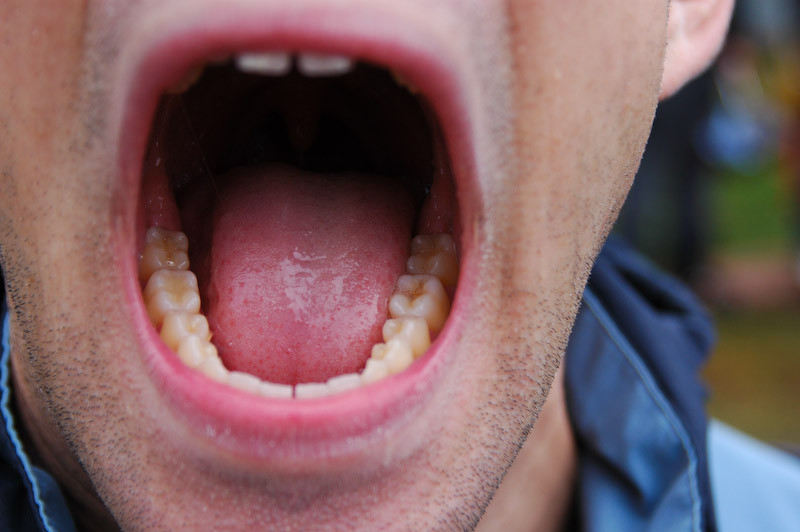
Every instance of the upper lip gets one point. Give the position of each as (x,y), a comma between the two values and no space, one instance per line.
(290,433)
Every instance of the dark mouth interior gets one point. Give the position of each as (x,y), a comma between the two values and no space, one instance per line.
(363,121)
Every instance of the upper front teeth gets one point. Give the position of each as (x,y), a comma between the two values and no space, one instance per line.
(280,63)
(266,63)
(323,65)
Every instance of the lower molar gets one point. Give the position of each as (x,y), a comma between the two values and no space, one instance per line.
(180,325)
(418,308)
(434,255)
(396,353)
(193,351)
(421,296)
(412,329)
(163,250)
(171,291)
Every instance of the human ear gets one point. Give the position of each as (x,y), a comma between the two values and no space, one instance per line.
(695,33)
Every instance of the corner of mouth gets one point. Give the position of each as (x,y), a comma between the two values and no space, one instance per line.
(275,430)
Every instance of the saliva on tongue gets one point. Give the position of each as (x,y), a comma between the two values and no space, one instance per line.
(300,269)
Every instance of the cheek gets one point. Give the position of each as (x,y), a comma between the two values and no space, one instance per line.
(586,87)
(43,185)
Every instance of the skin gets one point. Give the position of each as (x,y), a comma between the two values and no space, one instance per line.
(566,104)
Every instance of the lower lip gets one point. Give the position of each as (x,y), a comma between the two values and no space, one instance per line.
(286,433)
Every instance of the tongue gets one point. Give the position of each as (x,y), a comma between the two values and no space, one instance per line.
(300,270)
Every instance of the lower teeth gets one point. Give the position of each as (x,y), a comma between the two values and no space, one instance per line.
(419,306)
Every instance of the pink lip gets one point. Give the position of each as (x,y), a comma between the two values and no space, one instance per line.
(292,433)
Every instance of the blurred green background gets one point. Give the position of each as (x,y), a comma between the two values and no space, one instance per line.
(754,374)
(717,203)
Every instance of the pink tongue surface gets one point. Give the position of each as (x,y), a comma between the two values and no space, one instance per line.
(301,267)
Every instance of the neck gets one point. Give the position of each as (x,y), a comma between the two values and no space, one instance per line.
(537,490)
(46,447)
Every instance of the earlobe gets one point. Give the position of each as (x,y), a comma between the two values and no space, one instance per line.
(695,35)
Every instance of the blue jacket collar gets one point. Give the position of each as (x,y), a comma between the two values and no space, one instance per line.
(635,402)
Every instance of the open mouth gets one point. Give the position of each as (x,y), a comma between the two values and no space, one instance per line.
(299,241)
(297,181)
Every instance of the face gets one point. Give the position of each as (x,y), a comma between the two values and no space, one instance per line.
(299,191)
